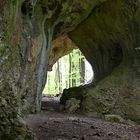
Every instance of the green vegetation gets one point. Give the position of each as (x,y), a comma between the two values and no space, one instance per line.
(70,71)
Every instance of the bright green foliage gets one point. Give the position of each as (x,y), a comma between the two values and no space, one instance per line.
(69,71)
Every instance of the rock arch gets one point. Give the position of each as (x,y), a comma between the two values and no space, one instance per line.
(106,31)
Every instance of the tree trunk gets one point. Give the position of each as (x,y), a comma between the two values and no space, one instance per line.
(70,71)
(82,69)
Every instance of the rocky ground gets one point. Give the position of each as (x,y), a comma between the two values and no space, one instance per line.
(56,125)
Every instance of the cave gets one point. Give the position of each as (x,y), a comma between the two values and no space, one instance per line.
(71,70)
(107,32)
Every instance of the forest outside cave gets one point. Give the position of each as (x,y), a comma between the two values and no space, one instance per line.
(72,70)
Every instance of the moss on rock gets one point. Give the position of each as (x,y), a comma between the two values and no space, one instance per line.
(109,39)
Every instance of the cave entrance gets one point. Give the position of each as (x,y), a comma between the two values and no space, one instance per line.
(72,70)
(69,71)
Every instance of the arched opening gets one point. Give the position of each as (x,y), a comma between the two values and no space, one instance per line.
(72,70)
(69,71)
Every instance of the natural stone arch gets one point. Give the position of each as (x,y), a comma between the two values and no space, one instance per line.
(111,50)
(61,46)
(22,76)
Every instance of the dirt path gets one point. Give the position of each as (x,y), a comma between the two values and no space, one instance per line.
(64,126)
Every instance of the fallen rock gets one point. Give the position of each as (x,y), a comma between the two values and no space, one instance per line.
(114,118)
(72,105)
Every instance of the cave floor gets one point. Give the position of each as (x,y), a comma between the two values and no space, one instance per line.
(60,125)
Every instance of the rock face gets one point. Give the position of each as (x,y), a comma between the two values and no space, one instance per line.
(110,40)
(106,31)
(61,46)
(27,29)
(72,105)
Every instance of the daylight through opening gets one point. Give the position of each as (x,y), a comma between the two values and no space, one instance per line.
(69,71)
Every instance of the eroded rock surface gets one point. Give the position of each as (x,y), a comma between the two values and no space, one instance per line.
(109,38)
(61,46)
(106,31)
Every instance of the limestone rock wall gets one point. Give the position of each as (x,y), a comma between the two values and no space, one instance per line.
(61,46)
(12,60)
(27,28)
(109,38)
(106,31)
